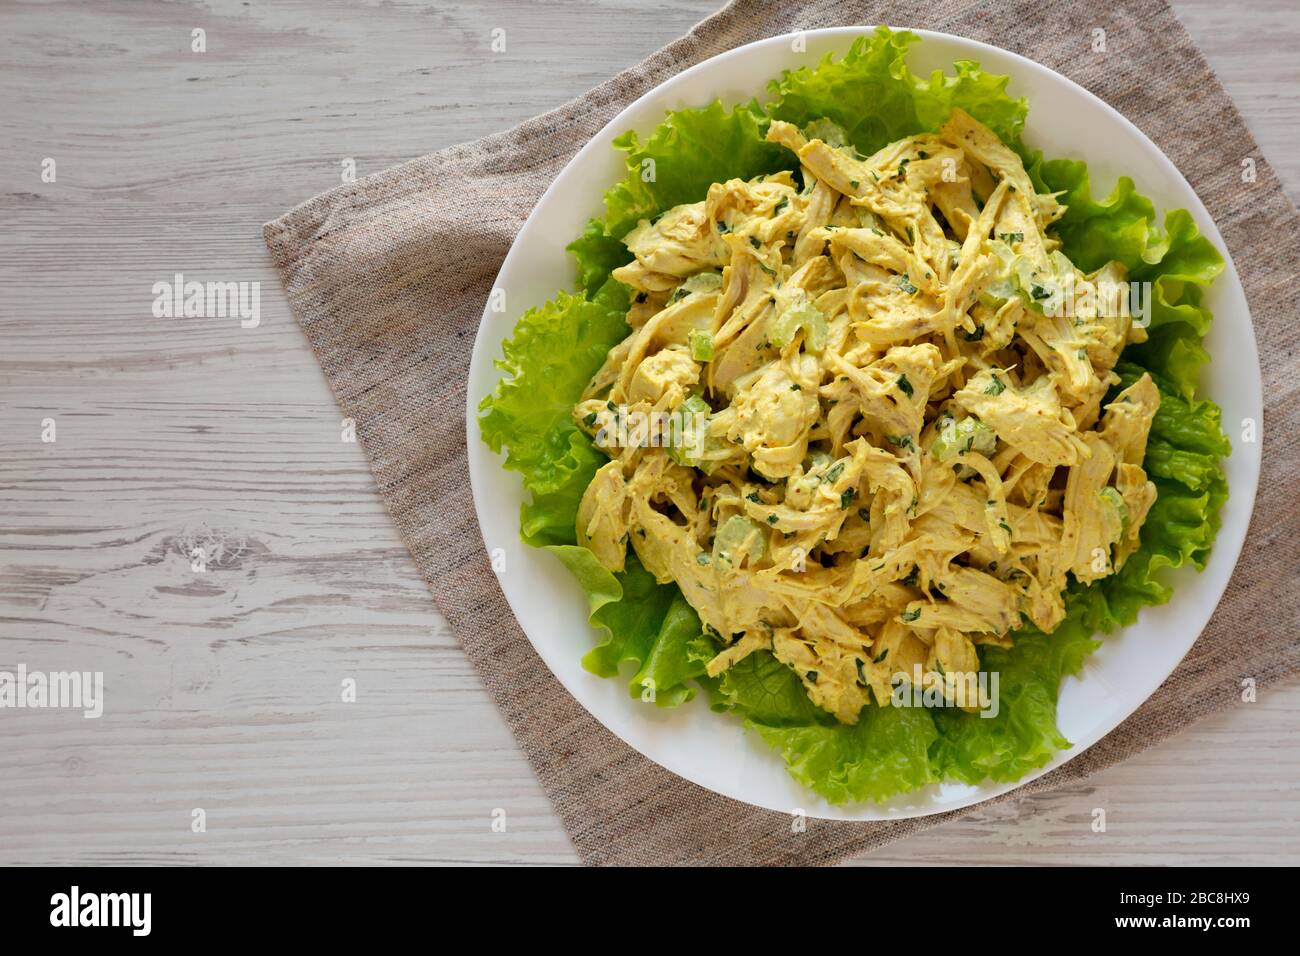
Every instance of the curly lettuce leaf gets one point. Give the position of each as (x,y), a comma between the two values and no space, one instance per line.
(762,689)
(677,163)
(886,752)
(596,254)
(555,350)
(647,625)
(873,96)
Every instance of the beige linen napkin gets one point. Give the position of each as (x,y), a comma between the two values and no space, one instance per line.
(388,277)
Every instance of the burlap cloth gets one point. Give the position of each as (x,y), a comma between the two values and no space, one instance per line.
(388,277)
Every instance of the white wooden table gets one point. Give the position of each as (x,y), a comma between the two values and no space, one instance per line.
(173,434)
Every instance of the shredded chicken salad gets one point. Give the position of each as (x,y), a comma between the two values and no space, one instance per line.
(886,387)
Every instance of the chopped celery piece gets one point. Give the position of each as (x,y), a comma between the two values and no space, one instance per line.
(800,315)
(701,345)
(1111,498)
(738,539)
(703,282)
(961,436)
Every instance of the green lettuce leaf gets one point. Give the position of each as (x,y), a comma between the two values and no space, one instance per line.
(647,625)
(688,152)
(554,351)
(875,98)
(886,752)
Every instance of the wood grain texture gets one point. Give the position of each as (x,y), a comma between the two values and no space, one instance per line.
(224,687)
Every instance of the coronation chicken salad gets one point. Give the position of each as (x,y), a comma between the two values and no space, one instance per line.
(897,383)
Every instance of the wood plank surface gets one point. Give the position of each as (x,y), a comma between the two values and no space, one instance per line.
(224,686)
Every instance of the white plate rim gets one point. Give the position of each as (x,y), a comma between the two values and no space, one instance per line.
(1228,543)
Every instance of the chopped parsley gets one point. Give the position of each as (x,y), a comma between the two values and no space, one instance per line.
(905,386)
(996,386)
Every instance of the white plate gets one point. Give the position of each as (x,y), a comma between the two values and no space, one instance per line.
(713,750)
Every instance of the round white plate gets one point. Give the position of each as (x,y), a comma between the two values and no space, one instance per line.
(713,750)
